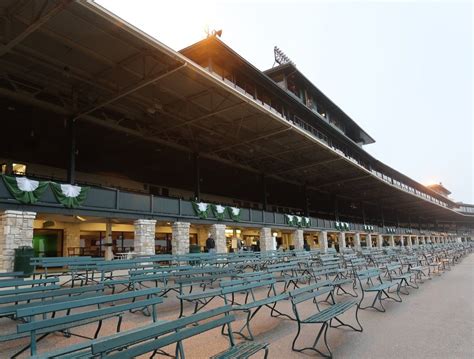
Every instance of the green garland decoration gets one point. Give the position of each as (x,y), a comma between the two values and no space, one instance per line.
(201,209)
(218,211)
(25,190)
(234,213)
(68,195)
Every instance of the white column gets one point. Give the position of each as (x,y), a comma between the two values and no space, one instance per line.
(409,241)
(218,234)
(266,239)
(357,241)
(298,238)
(402,243)
(342,240)
(323,241)
(144,242)
(379,241)
(180,238)
(16,230)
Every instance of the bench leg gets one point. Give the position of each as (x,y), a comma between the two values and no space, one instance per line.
(342,324)
(322,331)
(339,288)
(280,314)
(377,297)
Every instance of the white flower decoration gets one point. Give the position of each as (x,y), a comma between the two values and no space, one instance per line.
(70,191)
(26,185)
(220,209)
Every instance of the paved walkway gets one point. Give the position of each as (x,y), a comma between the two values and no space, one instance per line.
(435,321)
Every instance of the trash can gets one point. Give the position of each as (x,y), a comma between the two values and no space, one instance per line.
(194,248)
(22,260)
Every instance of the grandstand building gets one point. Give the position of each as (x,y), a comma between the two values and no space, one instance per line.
(115,143)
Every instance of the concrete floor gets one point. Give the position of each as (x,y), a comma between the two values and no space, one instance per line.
(435,321)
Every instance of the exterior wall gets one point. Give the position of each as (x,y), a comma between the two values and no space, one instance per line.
(145,236)
(16,230)
(180,238)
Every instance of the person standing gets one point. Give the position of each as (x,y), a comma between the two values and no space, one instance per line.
(210,245)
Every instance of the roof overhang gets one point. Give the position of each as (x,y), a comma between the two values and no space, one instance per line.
(81,61)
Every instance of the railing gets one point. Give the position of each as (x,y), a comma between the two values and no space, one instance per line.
(106,202)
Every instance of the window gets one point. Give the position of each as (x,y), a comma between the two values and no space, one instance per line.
(19,168)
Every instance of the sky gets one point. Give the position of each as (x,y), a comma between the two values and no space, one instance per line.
(403,70)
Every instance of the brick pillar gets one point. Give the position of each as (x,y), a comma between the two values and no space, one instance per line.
(108,252)
(266,239)
(298,238)
(144,242)
(341,237)
(368,240)
(379,241)
(357,241)
(72,237)
(180,238)
(391,241)
(218,233)
(16,230)
(323,241)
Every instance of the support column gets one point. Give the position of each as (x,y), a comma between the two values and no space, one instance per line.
(108,253)
(409,242)
(264,192)
(197,177)
(298,238)
(16,230)
(72,239)
(144,242)
(71,170)
(323,241)
(391,241)
(180,238)
(357,245)
(379,241)
(402,244)
(266,239)
(342,240)
(218,234)
(368,241)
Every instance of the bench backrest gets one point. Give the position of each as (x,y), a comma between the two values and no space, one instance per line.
(368,273)
(139,341)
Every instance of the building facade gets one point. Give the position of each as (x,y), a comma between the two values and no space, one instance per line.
(116,143)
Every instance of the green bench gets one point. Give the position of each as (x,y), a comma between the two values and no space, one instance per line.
(10,304)
(395,273)
(107,306)
(21,286)
(338,277)
(152,338)
(325,316)
(370,281)
(253,304)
